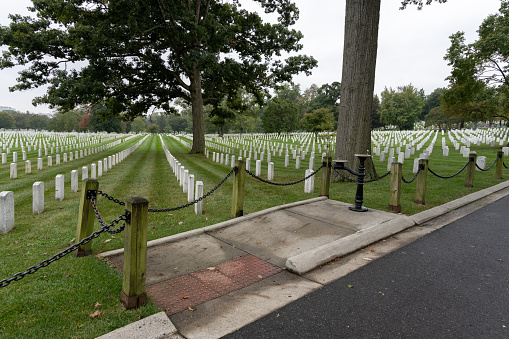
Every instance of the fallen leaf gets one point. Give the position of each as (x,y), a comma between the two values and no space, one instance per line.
(500,260)
(190,309)
(258,242)
(68,275)
(97,305)
(372,249)
(206,218)
(185,297)
(107,240)
(181,222)
(281,242)
(350,286)
(211,268)
(368,259)
(96,314)
(259,276)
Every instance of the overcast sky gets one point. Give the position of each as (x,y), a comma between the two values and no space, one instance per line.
(411,43)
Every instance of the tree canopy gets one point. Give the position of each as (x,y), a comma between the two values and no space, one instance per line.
(479,80)
(401,108)
(132,55)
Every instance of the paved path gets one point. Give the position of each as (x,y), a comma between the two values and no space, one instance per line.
(452,283)
(212,281)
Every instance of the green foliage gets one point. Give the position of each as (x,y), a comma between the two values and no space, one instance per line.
(153,128)
(138,125)
(327,96)
(478,80)
(437,117)
(37,121)
(280,116)
(143,54)
(401,108)
(7,121)
(419,3)
(66,121)
(320,120)
(431,101)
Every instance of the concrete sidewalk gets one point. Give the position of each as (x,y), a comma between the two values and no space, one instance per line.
(214,280)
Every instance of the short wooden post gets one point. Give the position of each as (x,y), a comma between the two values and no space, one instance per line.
(395,188)
(324,188)
(133,292)
(500,165)
(86,217)
(422,179)
(472,158)
(238,189)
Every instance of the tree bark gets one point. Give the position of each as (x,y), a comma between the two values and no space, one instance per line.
(197,111)
(358,82)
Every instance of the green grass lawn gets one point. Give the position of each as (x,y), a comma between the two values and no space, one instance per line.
(58,300)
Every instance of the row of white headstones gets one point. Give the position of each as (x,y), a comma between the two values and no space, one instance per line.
(412,141)
(228,159)
(7,220)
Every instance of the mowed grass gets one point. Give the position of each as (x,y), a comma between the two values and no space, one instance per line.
(58,300)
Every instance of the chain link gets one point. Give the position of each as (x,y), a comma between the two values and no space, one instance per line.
(283,184)
(504,165)
(121,203)
(32,269)
(452,176)
(365,181)
(115,221)
(379,178)
(415,176)
(234,169)
(344,176)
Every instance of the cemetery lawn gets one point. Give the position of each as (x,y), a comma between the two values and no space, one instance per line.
(79,297)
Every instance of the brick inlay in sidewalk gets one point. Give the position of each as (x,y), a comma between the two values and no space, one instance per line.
(184,292)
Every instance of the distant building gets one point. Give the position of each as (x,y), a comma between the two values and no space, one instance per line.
(6,108)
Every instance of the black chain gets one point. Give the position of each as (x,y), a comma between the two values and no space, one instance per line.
(121,203)
(379,178)
(505,165)
(31,270)
(283,184)
(234,169)
(115,221)
(365,181)
(415,177)
(344,176)
(452,176)
(487,169)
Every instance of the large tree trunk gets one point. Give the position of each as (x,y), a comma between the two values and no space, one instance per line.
(357,83)
(197,111)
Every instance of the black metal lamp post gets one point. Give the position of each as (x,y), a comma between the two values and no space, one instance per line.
(359,195)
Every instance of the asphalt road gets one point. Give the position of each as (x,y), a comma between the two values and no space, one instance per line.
(452,283)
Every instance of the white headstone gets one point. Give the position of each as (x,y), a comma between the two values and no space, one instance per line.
(59,187)
(14,170)
(190,188)
(38,197)
(6,211)
(84,173)
(74,181)
(198,207)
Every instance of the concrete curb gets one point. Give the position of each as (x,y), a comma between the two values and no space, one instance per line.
(156,326)
(188,234)
(305,262)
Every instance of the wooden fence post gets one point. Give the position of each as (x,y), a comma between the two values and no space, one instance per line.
(133,292)
(422,179)
(500,165)
(326,171)
(472,158)
(86,218)
(395,188)
(238,189)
